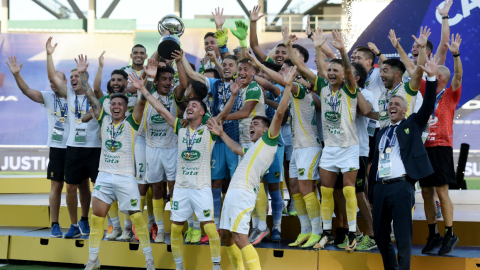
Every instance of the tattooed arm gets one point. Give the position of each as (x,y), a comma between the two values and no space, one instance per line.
(92,99)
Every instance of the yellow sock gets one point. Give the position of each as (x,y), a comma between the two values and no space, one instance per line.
(261,204)
(177,243)
(142,203)
(149,198)
(214,241)
(113,211)
(125,216)
(251,257)
(351,205)
(141,229)
(299,204)
(96,232)
(281,190)
(312,205)
(158,206)
(236,257)
(327,207)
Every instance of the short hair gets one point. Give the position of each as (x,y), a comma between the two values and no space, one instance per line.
(369,54)
(302,51)
(264,120)
(429,45)
(200,90)
(271,66)
(231,57)
(161,70)
(405,102)
(245,61)
(288,62)
(209,34)
(119,95)
(193,66)
(120,72)
(109,87)
(281,45)
(75,69)
(204,106)
(362,73)
(216,75)
(337,61)
(162,60)
(139,45)
(395,63)
(63,74)
(237,49)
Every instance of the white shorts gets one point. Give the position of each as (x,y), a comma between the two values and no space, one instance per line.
(237,210)
(140,158)
(304,163)
(187,201)
(122,188)
(340,159)
(245,145)
(160,162)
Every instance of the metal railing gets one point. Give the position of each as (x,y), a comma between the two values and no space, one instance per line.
(295,22)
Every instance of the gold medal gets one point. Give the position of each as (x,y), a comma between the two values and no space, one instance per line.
(78,121)
(383,113)
(62,119)
(388,150)
(112,148)
(188,155)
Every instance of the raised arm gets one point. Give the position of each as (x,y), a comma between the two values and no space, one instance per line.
(457,63)
(324,48)
(347,67)
(182,78)
(234,89)
(409,65)
(270,87)
(416,77)
(157,105)
(213,58)
(82,66)
(59,84)
(282,107)
(254,17)
(364,106)
(376,51)
(441,53)
(241,33)
(26,90)
(272,74)
(288,40)
(137,83)
(222,33)
(428,104)
(216,128)
(319,43)
(191,73)
(97,83)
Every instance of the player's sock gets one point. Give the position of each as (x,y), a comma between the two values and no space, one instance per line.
(261,208)
(149,198)
(177,244)
(236,257)
(313,210)
(277,208)
(127,223)
(96,235)
(306,226)
(217,205)
(158,212)
(214,241)
(254,219)
(109,221)
(190,222)
(251,257)
(196,223)
(328,205)
(351,205)
(113,215)
(143,235)
(142,203)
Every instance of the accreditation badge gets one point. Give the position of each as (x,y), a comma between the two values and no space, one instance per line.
(385,165)
(58,130)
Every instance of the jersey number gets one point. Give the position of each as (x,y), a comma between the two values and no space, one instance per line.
(141,167)
(175,205)
(213,164)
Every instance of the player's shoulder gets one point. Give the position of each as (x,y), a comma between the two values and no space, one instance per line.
(125,67)
(270,140)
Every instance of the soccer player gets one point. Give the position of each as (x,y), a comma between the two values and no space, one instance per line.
(244,187)
(440,153)
(58,131)
(116,179)
(138,56)
(83,146)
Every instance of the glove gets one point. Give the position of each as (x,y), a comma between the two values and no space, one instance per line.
(222,37)
(240,32)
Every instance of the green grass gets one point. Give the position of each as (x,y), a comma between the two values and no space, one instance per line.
(473,183)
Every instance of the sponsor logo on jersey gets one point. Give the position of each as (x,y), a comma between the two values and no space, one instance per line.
(157,119)
(332,116)
(117,145)
(359,182)
(200,131)
(133,202)
(301,171)
(51,174)
(277,174)
(194,155)
(407,130)
(206,213)
(97,187)
(351,169)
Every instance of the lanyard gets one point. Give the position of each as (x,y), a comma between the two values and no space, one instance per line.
(191,142)
(389,96)
(334,99)
(437,101)
(62,109)
(114,134)
(78,111)
(167,103)
(369,74)
(391,142)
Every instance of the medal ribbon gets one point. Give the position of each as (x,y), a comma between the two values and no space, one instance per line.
(190,142)
(113,133)
(334,99)
(385,140)
(389,96)
(62,109)
(437,101)
(78,112)
(369,74)
(167,103)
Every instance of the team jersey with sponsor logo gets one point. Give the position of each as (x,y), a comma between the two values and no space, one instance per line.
(117,145)
(158,133)
(303,120)
(255,164)
(105,102)
(403,90)
(193,167)
(339,111)
(250,93)
(129,69)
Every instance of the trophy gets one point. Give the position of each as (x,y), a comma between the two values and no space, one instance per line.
(171,42)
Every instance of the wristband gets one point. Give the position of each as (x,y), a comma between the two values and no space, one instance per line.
(310,35)
(456,55)
(379,53)
(224,49)
(243,43)
(445,17)
(149,79)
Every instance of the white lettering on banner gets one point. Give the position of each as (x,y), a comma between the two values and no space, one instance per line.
(467,6)
(471,169)
(471,105)
(466,122)
(25,163)
(9,98)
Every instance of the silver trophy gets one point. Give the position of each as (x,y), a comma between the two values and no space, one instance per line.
(170,42)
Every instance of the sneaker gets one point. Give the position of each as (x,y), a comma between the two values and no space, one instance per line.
(92,265)
(276,236)
(325,238)
(134,232)
(360,238)
(367,244)
(449,242)
(432,243)
(284,210)
(292,211)
(352,242)
(302,238)
(344,243)
(153,231)
(439,210)
(110,229)
(196,236)
(116,232)
(56,232)
(204,239)
(150,265)
(341,233)
(73,232)
(216,266)
(253,234)
(312,241)
(84,227)
(160,237)
(260,236)
(126,236)
(188,235)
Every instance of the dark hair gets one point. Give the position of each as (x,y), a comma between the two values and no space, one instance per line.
(429,45)
(63,74)
(139,45)
(193,66)
(109,87)
(216,75)
(362,73)
(162,60)
(281,45)
(302,51)
(264,119)
(120,72)
(337,61)
(119,95)
(232,57)
(209,34)
(245,61)
(271,66)
(395,63)
(288,62)
(161,70)
(204,106)
(200,90)
(367,53)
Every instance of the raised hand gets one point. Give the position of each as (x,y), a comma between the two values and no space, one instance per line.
(50,48)
(292,73)
(307,29)
(446,7)
(288,39)
(241,31)
(14,67)
(423,37)
(82,63)
(338,41)
(135,81)
(151,68)
(393,38)
(214,126)
(373,47)
(235,86)
(211,55)
(177,55)
(317,38)
(254,16)
(454,47)
(431,66)
(218,18)
(253,59)
(101,59)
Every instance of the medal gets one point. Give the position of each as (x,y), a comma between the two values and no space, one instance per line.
(78,121)
(190,142)
(388,150)
(112,148)
(383,113)
(78,109)
(114,134)
(188,155)
(63,109)
(62,119)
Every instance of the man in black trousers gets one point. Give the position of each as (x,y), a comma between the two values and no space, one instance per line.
(400,160)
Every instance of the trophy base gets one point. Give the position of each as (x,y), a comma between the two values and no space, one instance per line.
(167,46)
